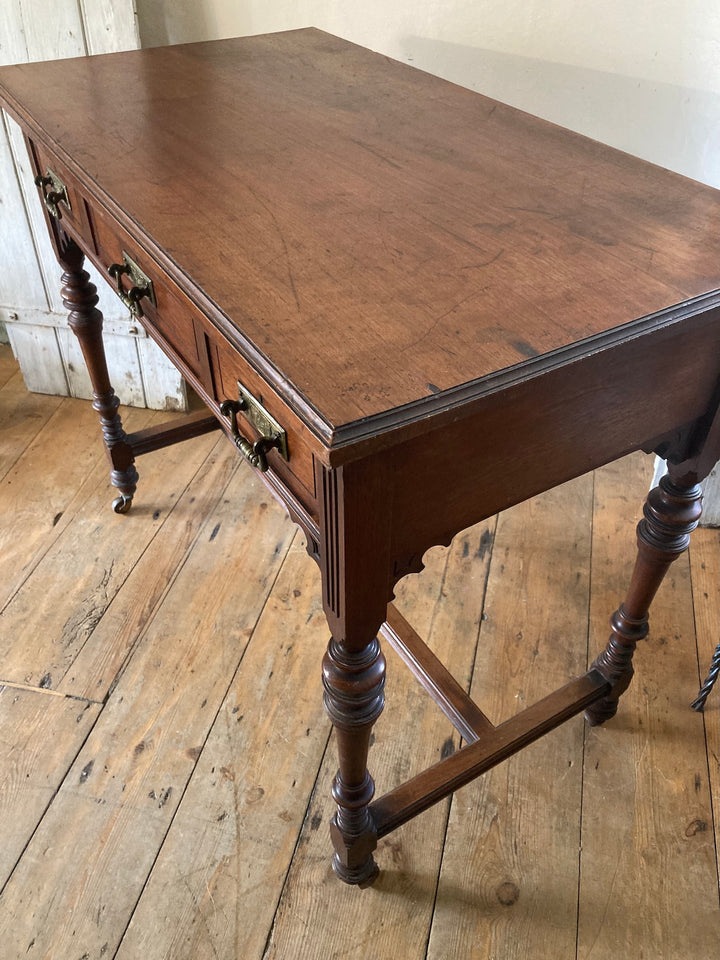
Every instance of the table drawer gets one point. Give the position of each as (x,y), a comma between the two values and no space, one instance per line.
(167,314)
(211,364)
(203,354)
(297,473)
(61,193)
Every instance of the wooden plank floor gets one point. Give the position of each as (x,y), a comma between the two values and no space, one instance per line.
(165,762)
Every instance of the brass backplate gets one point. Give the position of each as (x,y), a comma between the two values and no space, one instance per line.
(265,424)
(138,278)
(58,192)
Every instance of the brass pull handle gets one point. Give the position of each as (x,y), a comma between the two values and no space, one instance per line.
(141,285)
(55,195)
(254,453)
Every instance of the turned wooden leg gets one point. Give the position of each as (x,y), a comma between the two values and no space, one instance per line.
(355,524)
(85,320)
(671,513)
(353,681)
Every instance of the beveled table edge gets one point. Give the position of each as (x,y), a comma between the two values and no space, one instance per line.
(454,398)
(401,421)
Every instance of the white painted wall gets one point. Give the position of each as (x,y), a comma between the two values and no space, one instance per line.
(643,76)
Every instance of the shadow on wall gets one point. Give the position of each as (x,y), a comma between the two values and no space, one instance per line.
(675,127)
(184,21)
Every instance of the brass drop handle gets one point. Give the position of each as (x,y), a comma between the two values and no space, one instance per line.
(141,285)
(254,453)
(55,195)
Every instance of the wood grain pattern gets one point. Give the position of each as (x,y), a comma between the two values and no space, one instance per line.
(34,31)
(651,758)
(479,414)
(37,510)
(508,886)
(705,573)
(17,412)
(96,664)
(8,367)
(316,914)
(98,854)
(40,735)
(456,239)
(258,767)
(121,793)
(78,566)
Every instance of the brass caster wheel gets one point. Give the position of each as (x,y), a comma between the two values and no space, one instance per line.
(122,504)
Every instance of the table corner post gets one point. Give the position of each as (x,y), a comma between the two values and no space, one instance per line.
(671,512)
(80,298)
(354,552)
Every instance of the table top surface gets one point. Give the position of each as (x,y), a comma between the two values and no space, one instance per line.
(379,235)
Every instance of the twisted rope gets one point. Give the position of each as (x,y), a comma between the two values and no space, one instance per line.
(699,702)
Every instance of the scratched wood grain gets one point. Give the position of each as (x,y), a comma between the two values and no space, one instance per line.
(508,886)
(22,417)
(316,914)
(648,885)
(8,365)
(40,735)
(75,581)
(95,668)
(41,495)
(440,222)
(217,879)
(705,572)
(76,885)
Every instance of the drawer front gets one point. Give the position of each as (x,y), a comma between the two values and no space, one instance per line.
(297,473)
(71,210)
(210,363)
(199,351)
(169,316)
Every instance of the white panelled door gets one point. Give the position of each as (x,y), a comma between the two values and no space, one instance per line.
(30,304)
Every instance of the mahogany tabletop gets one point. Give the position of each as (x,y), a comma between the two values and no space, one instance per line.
(378,235)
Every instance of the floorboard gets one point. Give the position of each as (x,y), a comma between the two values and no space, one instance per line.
(316,912)
(40,736)
(89,859)
(166,764)
(22,416)
(647,843)
(8,365)
(37,505)
(705,573)
(508,886)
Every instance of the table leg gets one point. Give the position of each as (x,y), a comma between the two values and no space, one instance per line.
(672,511)
(353,680)
(85,320)
(355,564)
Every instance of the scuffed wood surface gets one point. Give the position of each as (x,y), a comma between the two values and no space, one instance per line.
(121,794)
(508,887)
(40,734)
(258,767)
(168,796)
(705,571)
(455,236)
(444,604)
(79,568)
(647,840)
(22,417)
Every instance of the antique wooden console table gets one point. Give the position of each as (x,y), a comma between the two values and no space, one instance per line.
(410,307)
